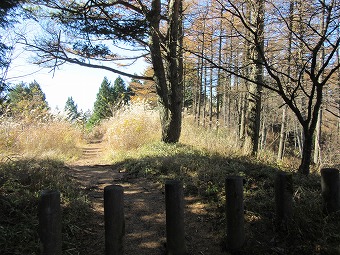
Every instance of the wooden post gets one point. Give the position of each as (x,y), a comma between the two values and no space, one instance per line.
(284,197)
(330,189)
(114,219)
(234,213)
(49,214)
(175,238)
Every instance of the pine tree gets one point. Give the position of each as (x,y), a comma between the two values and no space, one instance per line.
(7,17)
(122,93)
(101,109)
(71,109)
(109,99)
(27,101)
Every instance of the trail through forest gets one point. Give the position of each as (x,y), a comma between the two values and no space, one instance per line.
(144,206)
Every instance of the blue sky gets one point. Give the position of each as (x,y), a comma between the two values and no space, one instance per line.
(70,80)
(80,83)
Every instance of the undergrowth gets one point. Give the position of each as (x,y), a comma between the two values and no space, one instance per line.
(203,174)
(21,183)
(202,160)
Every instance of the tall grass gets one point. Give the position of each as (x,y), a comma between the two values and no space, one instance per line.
(53,139)
(21,183)
(131,128)
(222,140)
(202,160)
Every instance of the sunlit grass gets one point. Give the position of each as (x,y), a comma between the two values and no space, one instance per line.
(221,140)
(57,139)
(130,129)
(202,160)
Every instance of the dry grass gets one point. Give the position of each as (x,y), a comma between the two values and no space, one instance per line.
(21,182)
(136,126)
(222,140)
(202,161)
(52,139)
(131,128)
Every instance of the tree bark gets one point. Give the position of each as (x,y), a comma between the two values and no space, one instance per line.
(306,150)
(211,86)
(219,76)
(284,111)
(167,73)
(282,134)
(317,144)
(242,120)
(255,90)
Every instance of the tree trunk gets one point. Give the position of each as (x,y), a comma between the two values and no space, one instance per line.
(225,120)
(263,133)
(219,76)
(204,100)
(211,86)
(171,121)
(282,134)
(317,143)
(308,132)
(200,95)
(242,121)
(167,74)
(255,90)
(306,152)
(284,111)
(196,93)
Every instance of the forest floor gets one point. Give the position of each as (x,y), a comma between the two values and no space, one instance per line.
(144,206)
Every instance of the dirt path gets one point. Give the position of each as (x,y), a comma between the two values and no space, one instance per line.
(144,209)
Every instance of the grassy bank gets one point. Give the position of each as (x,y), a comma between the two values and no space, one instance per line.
(21,183)
(203,174)
(202,160)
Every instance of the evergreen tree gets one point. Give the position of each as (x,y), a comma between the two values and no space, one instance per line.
(121,94)
(71,109)
(3,96)
(104,97)
(101,108)
(9,15)
(27,101)
(109,99)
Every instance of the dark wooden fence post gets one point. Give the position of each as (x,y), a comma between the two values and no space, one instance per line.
(284,197)
(234,213)
(330,189)
(174,218)
(114,219)
(49,214)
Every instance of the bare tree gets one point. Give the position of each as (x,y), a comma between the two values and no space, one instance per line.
(256,23)
(289,67)
(309,79)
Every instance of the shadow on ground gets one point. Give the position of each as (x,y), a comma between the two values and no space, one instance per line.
(309,232)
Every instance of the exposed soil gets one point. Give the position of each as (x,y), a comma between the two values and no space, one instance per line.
(144,208)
